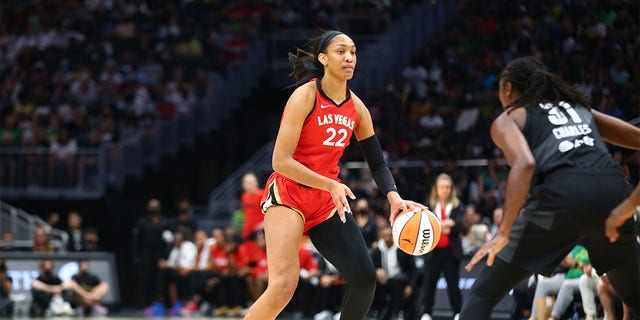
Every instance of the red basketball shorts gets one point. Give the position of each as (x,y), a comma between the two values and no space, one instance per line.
(313,205)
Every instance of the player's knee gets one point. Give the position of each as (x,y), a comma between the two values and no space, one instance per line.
(284,285)
(364,280)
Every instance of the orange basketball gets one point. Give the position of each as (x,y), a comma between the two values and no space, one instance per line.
(416,233)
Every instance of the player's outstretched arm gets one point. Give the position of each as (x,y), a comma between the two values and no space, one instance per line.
(506,134)
(616,131)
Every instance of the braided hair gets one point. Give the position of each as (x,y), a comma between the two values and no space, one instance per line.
(305,64)
(535,84)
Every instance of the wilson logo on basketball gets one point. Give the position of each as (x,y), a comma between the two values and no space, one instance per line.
(413,228)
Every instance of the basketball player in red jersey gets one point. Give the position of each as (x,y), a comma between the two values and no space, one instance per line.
(304,194)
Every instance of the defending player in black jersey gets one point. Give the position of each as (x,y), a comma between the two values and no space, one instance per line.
(561,188)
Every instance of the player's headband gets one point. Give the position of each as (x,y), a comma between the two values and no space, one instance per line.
(325,39)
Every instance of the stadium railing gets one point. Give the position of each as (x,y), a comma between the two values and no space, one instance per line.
(38,173)
(23,224)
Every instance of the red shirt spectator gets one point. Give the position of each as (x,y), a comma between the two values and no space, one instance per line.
(250,198)
(253,256)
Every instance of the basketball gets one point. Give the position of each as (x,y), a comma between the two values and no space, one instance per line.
(416,233)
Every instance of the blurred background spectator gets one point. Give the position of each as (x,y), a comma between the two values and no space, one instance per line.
(75,231)
(149,246)
(250,198)
(88,291)
(6,286)
(42,241)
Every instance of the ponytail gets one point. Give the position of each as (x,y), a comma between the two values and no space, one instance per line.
(305,65)
(535,85)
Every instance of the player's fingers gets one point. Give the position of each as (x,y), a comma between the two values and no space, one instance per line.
(349,193)
(341,214)
(404,207)
(476,257)
(345,204)
(415,206)
(340,207)
(491,255)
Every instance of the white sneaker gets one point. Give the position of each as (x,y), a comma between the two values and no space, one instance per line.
(324,315)
(456,317)
(337,316)
(426,316)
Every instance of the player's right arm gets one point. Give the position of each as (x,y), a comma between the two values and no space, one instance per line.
(616,131)
(507,135)
(296,111)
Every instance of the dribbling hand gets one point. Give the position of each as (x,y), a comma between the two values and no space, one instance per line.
(339,193)
(398,205)
(491,249)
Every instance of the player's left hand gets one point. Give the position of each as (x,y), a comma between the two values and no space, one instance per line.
(618,216)
(491,249)
(397,205)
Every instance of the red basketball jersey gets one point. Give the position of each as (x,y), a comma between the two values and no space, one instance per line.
(326,133)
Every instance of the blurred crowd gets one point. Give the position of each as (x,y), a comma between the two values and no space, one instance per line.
(79,238)
(80,73)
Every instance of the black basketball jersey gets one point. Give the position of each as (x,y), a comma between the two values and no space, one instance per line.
(561,135)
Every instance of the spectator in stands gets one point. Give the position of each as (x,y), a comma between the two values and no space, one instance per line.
(45,288)
(53,220)
(63,158)
(497,220)
(303,300)
(523,294)
(395,275)
(184,223)
(253,255)
(552,285)
(150,235)
(588,285)
(235,277)
(174,271)
(199,273)
(7,241)
(250,198)
(448,252)
(608,298)
(365,222)
(91,240)
(74,230)
(491,177)
(218,284)
(571,283)
(474,232)
(332,287)
(88,291)
(6,286)
(42,241)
